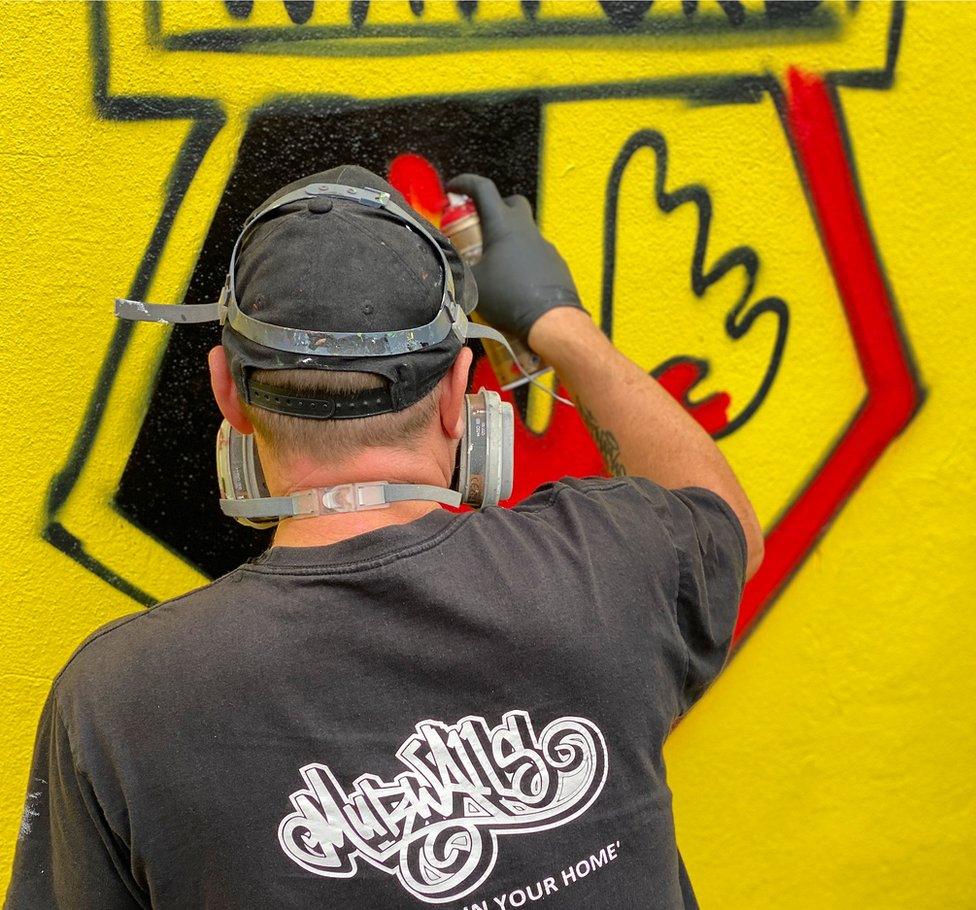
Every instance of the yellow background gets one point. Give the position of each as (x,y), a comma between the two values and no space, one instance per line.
(832,765)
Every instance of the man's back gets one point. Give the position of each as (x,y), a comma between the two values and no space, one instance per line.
(466,710)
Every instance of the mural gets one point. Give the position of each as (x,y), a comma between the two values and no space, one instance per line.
(515,136)
(693,161)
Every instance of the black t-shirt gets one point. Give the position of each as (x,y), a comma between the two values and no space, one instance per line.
(467,711)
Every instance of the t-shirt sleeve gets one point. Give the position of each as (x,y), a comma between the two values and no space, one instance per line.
(686,544)
(711,549)
(67,854)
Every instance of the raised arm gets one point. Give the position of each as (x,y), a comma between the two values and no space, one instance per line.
(638,427)
(526,288)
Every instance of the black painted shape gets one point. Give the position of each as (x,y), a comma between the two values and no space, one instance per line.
(441,37)
(299,11)
(467,8)
(530,9)
(358,11)
(169,486)
(417,7)
(239,9)
(734,11)
(734,90)
(626,13)
(741,317)
(790,10)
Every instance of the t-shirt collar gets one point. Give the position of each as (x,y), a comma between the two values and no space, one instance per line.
(363,549)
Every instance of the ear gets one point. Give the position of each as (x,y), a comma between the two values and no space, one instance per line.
(455,384)
(225,392)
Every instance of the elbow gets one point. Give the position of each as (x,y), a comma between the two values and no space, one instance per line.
(755,540)
(755,551)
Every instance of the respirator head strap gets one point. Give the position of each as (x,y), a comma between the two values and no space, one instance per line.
(168,313)
(344,344)
(346,497)
(306,341)
(484,475)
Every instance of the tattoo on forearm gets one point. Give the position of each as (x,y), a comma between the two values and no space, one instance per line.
(605,441)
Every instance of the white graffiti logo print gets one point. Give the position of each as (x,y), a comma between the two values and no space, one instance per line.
(436,825)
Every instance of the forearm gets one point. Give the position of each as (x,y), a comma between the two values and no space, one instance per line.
(639,428)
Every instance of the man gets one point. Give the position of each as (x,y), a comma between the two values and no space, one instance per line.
(404,706)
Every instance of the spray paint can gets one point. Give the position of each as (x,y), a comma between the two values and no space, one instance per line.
(461,225)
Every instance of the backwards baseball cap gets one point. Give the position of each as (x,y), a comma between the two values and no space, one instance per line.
(337,272)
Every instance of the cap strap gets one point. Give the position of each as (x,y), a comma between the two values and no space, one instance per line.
(299,341)
(345,407)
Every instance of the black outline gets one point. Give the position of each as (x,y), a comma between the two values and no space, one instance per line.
(208,118)
(740,318)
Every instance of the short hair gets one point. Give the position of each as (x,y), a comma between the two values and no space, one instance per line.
(335,440)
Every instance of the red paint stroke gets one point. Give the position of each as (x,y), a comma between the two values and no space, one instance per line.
(418,180)
(680,378)
(893,394)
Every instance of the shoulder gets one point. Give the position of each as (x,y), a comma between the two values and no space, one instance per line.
(613,497)
(130,648)
(636,513)
(624,498)
(580,519)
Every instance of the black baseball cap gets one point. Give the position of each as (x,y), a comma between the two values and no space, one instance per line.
(323,263)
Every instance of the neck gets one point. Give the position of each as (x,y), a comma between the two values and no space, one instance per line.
(375,464)
(323,530)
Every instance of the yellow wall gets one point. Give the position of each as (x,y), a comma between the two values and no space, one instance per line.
(832,764)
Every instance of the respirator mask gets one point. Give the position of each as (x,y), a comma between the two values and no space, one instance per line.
(483,474)
(484,470)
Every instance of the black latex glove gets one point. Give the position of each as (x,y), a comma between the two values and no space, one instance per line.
(521,275)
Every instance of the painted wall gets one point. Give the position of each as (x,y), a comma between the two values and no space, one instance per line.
(767,205)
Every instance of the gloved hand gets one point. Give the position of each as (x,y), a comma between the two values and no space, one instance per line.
(521,275)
